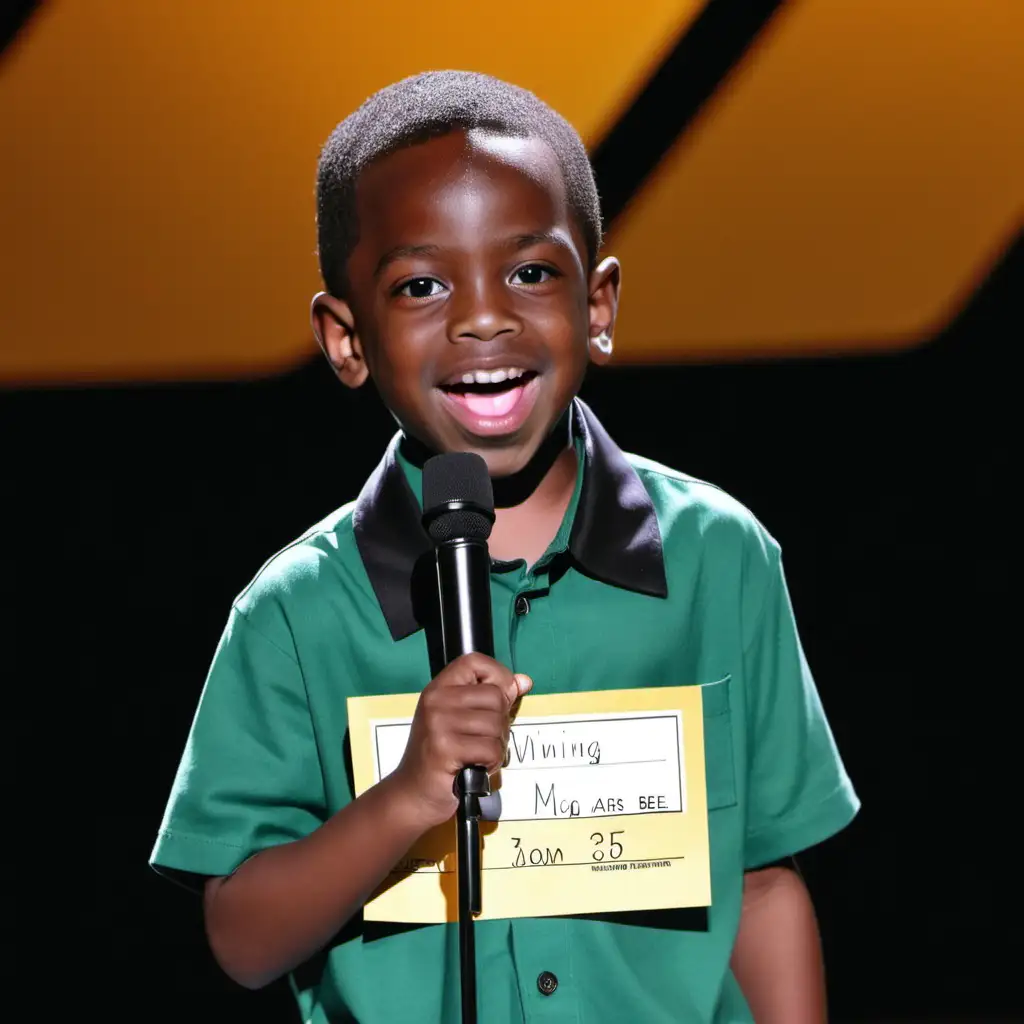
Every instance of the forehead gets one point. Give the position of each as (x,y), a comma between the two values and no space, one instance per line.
(471,180)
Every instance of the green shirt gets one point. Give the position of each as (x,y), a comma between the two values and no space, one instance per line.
(655,579)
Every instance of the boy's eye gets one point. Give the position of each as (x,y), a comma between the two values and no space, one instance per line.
(533,273)
(421,288)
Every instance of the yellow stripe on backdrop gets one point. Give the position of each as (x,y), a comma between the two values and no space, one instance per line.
(844,190)
(159,159)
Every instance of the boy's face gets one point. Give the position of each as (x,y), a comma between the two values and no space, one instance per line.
(469,300)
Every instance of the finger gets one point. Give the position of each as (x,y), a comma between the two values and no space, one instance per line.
(521,685)
(482,751)
(509,691)
(474,668)
(480,723)
(483,697)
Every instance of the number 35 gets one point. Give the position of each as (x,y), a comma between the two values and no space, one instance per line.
(614,846)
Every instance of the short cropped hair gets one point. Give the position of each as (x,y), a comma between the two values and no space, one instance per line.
(426,106)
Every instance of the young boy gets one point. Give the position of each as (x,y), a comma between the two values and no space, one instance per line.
(459,232)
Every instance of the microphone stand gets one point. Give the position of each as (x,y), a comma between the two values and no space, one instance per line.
(463,567)
(472,784)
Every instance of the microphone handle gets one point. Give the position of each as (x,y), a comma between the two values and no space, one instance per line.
(464,591)
(464,588)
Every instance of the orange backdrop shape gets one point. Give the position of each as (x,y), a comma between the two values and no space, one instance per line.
(160,157)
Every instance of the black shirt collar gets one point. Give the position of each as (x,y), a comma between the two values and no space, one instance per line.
(615,536)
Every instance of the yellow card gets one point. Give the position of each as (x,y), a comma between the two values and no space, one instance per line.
(603,808)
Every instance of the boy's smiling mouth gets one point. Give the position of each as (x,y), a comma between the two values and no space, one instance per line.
(490,402)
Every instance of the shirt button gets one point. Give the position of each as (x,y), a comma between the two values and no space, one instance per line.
(522,607)
(547,982)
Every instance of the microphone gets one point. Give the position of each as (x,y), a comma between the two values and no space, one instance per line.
(458,513)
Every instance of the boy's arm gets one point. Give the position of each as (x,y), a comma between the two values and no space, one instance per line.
(777,957)
(287,902)
(798,794)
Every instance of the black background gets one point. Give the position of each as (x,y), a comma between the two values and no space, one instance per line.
(888,481)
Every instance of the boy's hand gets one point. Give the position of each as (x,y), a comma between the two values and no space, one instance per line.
(462,718)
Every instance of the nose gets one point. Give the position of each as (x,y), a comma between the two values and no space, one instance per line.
(481,311)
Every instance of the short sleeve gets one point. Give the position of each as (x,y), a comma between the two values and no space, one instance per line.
(249,777)
(798,792)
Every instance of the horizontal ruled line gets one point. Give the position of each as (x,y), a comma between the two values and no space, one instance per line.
(579,863)
(595,817)
(589,764)
(559,864)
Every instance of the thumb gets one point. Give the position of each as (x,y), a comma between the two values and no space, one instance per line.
(523,682)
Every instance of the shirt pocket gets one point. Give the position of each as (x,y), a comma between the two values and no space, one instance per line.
(719,762)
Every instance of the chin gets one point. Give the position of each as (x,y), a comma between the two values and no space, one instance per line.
(502,465)
(502,459)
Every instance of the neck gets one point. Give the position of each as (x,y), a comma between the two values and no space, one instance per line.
(534,479)
(530,504)
(526,530)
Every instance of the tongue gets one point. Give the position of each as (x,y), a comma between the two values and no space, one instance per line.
(491,406)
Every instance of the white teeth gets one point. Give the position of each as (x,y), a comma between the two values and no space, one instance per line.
(492,376)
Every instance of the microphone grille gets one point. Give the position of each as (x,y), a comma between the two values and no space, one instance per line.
(458,478)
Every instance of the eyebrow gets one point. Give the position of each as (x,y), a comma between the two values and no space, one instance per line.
(536,237)
(401,252)
(516,242)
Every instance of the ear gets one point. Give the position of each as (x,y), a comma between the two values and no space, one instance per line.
(603,305)
(334,327)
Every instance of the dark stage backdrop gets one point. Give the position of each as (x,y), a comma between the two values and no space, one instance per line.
(887,480)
